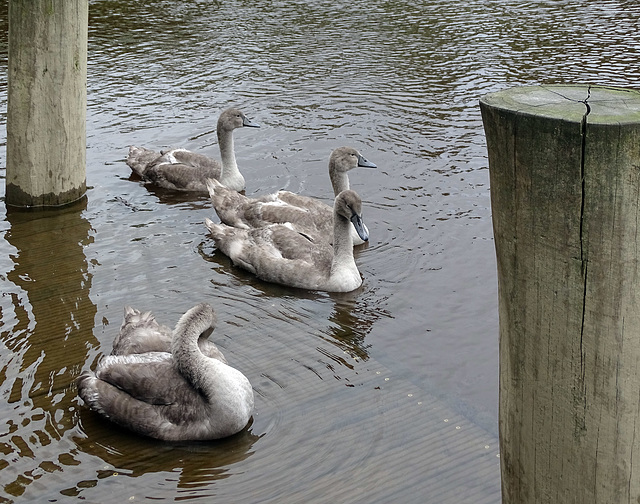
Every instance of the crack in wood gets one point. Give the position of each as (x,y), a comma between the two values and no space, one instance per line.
(583,259)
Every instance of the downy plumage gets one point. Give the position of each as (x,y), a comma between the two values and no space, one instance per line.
(177,396)
(307,214)
(279,253)
(183,170)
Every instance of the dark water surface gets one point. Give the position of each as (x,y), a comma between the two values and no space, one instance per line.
(341,381)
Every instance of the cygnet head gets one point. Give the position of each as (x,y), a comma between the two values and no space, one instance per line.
(349,205)
(233,118)
(344,159)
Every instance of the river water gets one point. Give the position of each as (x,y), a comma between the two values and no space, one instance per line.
(400,81)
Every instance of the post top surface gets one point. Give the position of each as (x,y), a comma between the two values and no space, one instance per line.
(607,105)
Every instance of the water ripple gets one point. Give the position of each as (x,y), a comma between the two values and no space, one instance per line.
(398,80)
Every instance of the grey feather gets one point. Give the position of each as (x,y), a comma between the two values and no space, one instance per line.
(177,396)
(183,170)
(141,333)
(279,253)
(309,215)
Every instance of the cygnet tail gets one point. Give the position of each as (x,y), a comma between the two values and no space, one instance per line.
(228,204)
(119,407)
(220,232)
(231,242)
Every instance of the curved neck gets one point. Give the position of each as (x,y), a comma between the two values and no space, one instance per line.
(189,360)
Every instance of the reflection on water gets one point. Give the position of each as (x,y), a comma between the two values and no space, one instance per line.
(47,327)
(193,464)
(351,320)
(398,80)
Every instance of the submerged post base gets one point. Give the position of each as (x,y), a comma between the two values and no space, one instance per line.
(19,198)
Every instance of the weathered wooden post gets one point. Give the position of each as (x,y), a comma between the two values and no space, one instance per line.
(564,165)
(47,97)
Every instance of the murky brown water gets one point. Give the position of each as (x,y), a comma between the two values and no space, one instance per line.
(400,81)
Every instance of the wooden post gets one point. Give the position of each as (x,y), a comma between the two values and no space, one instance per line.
(564,164)
(47,97)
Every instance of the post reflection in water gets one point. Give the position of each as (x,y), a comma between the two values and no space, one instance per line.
(48,337)
(48,320)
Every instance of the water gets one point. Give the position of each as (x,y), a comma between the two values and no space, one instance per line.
(400,81)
